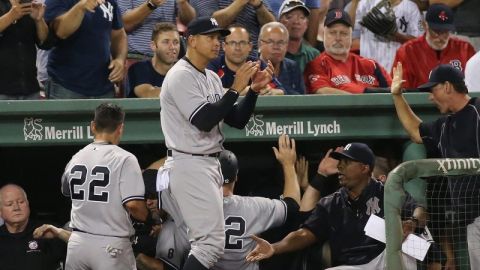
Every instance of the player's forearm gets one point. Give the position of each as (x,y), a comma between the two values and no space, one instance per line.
(294,241)
(212,113)
(291,188)
(64,235)
(226,16)
(186,12)
(408,118)
(239,116)
(66,24)
(264,15)
(137,209)
(42,30)
(6,20)
(145,262)
(402,38)
(132,18)
(310,198)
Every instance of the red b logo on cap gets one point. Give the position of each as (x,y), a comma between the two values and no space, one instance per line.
(338,14)
(442,16)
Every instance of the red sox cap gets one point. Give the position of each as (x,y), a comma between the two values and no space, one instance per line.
(440,74)
(356,151)
(337,16)
(440,17)
(205,25)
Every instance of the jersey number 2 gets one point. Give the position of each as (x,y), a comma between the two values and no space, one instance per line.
(237,228)
(99,177)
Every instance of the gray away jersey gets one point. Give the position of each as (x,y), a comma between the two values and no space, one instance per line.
(172,244)
(185,91)
(100,178)
(245,216)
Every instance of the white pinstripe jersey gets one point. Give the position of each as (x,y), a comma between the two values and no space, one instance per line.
(408,22)
(185,91)
(100,178)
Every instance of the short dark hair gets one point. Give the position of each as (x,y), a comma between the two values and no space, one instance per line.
(108,117)
(460,87)
(162,27)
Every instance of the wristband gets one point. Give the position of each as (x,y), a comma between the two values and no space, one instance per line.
(151,5)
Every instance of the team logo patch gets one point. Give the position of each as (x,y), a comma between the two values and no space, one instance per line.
(214,22)
(255,126)
(443,16)
(338,14)
(456,64)
(372,206)
(33,245)
(32,129)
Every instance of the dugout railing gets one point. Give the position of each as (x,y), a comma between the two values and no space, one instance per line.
(394,196)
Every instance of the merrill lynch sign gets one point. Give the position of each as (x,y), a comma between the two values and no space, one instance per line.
(258,127)
(35,130)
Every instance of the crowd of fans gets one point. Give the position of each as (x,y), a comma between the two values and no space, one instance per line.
(86,49)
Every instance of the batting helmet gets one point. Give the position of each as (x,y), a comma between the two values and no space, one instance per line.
(229,164)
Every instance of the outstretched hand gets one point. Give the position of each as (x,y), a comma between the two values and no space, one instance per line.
(328,165)
(262,77)
(46,231)
(263,250)
(397,81)
(286,153)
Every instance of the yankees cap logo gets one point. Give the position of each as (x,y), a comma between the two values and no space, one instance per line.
(214,22)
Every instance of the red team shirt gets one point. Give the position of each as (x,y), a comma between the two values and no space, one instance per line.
(353,75)
(418,58)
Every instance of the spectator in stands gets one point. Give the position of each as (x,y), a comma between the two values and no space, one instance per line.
(452,136)
(337,71)
(294,15)
(145,78)
(252,14)
(19,247)
(383,49)
(91,54)
(140,16)
(237,47)
(467,21)
(472,71)
(341,217)
(273,42)
(419,56)
(21,28)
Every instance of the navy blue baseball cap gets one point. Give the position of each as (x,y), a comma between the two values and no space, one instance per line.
(440,74)
(205,25)
(229,163)
(356,151)
(337,16)
(150,181)
(440,17)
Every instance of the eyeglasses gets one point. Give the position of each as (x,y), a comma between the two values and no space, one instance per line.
(271,43)
(234,44)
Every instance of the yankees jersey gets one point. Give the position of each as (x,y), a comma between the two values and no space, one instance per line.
(246,216)
(100,179)
(381,50)
(173,245)
(418,58)
(185,91)
(353,75)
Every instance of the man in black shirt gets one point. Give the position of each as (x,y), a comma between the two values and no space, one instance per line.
(19,250)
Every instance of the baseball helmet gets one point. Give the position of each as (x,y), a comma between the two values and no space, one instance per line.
(229,164)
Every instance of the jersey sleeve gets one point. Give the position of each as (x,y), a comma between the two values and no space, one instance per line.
(131,180)
(55,8)
(65,188)
(316,76)
(317,223)
(414,19)
(269,214)
(429,132)
(117,22)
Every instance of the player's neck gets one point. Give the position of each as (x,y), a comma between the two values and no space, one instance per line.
(197,60)
(160,67)
(104,138)
(459,102)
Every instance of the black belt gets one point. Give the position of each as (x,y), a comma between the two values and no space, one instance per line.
(215,155)
(77,230)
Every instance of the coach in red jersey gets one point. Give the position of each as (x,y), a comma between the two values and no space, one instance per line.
(337,71)
(437,46)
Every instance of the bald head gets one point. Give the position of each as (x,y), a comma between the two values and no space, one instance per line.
(14,207)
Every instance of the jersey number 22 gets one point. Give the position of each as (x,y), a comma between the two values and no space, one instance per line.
(98,177)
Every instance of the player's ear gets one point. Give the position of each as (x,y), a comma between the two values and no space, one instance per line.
(93,128)
(153,46)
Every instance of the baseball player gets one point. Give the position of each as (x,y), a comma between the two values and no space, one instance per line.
(246,216)
(194,106)
(383,49)
(105,185)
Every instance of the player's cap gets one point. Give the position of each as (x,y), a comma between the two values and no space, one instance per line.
(440,17)
(229,164)
(337,16)
(289,5)
(356,151)
(205,25)
(440,74)
(150,181)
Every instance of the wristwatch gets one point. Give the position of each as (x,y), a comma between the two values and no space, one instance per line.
(151,5)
